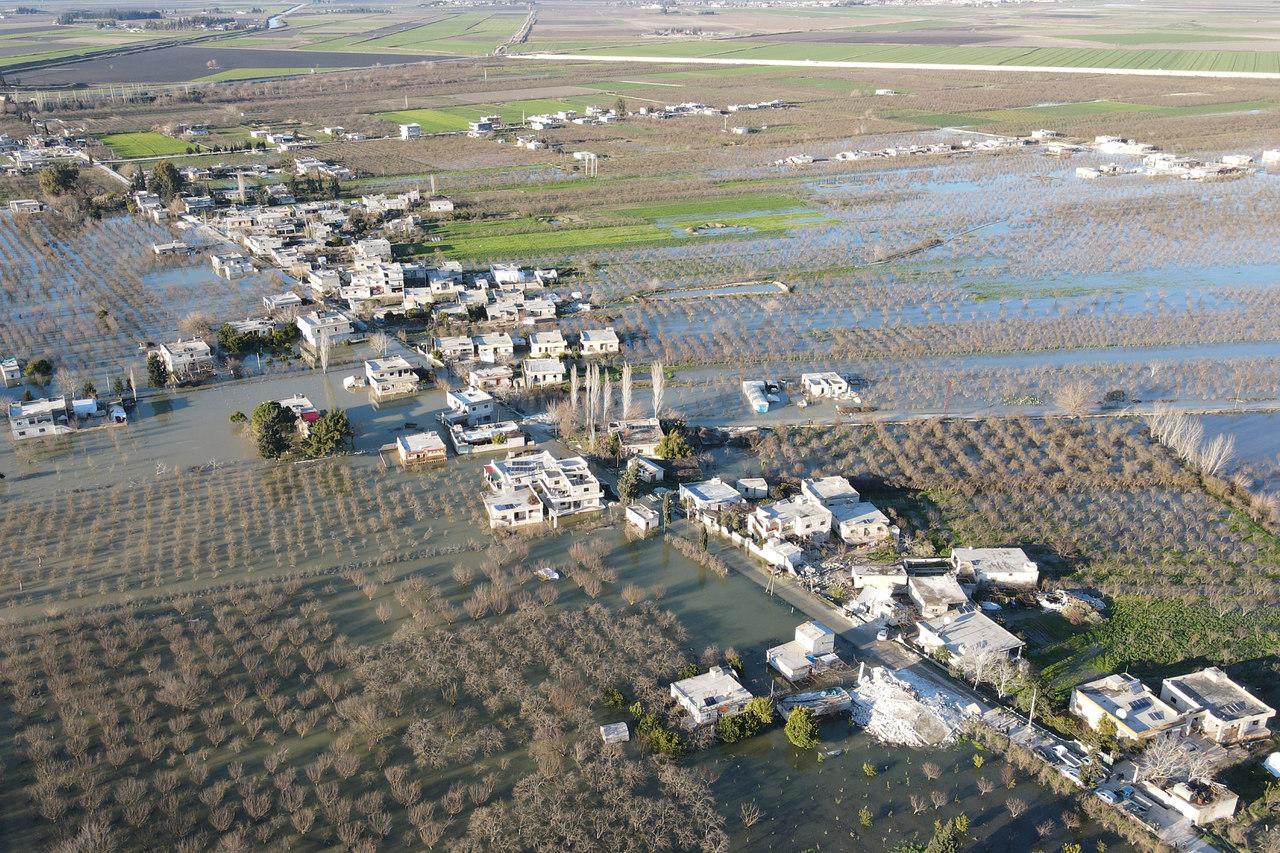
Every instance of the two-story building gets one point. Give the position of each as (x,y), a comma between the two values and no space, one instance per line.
(469,406)
(1136,712)
(391,377)
(324,327)
(599,342)
(187,359)
(1219,707)
(790,520)
(711,695)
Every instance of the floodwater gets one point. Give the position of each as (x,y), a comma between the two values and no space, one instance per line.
(1257,436)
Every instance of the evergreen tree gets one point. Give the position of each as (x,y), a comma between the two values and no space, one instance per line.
(331,433)
(801,729)
(157,373)
(272,425)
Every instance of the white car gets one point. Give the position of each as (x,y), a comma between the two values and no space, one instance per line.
(1107,796)
(882,634)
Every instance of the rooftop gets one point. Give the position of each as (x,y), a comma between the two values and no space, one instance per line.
(859,513)
(938,590)
(966,633)
(420,442)
(1126,698)
(1212,690)
(712,688)
(712,491)
(824,489)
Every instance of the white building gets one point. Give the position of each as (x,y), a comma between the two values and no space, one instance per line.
(638,436)
(412,130)
(494,347)
(187,359)
(708,496)
(324,326)
(1003,566)
(497,377)
(936,595)
(827,384)
(389,377)
(231,265)
(753,488)
(514,507)
(440,204)
(1135,711)
(967,634)
(1219,707)
(470,406)
(790,519)
(37,418)
(455,348)
(599,341)
(547,344)
(795,660)
(540,372)
(564,486)
(278,301)
(862,524)
(647,470)
(642,517)
(10,372)
(711,695)
(419,448)
(829,492)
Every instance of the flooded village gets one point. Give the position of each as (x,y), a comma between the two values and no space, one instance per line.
(891,506)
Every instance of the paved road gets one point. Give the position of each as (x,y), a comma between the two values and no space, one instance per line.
(911,66)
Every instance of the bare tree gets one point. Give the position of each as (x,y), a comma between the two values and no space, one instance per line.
(1016,807)
(659,379)
(1074,398)
(380,342)
(625,413)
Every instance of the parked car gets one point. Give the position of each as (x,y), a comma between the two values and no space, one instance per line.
(1108,796)
(882,634)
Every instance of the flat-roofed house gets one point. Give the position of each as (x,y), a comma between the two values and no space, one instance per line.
(187,359)
(36,418)
(564,486)
(547,344)
(455,347)
(10,372)
(789,519)
(599,341)
(711,695)
(639,436)
(420,447)
(540,372)
(862,523)
(514,507)
(496,377)
(389,377)
(1003,566)
(709,496)
(494,347)
(936,594)
(800,657)
(470,406)
(828,492)
(967,634)
(1218,706)
(827,384)
(324,326)
(1136,711)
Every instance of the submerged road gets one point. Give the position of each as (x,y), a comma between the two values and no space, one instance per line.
(909,66)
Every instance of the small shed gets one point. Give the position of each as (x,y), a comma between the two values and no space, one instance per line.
(647,470)
(642,517)
(753,488)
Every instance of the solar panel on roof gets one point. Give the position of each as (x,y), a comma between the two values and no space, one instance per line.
(1140,704)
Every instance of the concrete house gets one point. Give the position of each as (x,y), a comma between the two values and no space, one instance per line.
(800,657)
(497,377)
(231,265)
(455,348)
(469,406)
(828,492)
(439,204)
(935,595)
(1137,712)
(10,372)
(967,634)
(486,438)
(638,437)
(642,517)
(494,347)
(37,418)
(862,524)
(648,470)
(829,384)
(1218,706)
(420,447)
(540,372)
(1003,566)
(412,130)
(708,496)
(305,413)
(547,344)
(564,486)
(599,341)
(752,488)
(187,359)
(711,695)
(790,519)
(517,506)
(319,326)
(390,377)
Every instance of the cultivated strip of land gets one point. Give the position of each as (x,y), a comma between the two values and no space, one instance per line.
(902,66)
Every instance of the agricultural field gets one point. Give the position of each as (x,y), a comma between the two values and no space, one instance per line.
(145,144)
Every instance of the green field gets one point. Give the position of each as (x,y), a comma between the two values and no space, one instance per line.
(665,224)
(470,33)
(1073,57)
(251,73)
(145,144)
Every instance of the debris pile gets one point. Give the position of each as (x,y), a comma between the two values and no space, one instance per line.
(900,710)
